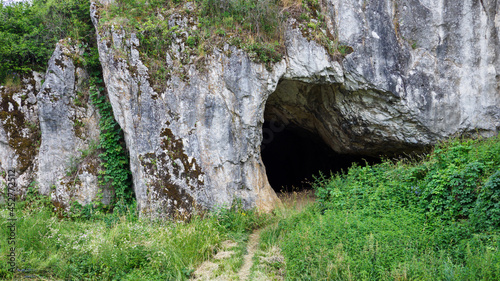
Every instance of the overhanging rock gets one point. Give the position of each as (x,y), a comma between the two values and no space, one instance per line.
(408,83)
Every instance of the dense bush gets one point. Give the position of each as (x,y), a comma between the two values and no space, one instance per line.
(432,219)
(457,181)
(30,30)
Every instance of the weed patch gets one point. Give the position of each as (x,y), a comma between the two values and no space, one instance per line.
(106,246)
(176,34)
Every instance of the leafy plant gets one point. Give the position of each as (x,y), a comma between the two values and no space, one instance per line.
(114,156)
(434,219)
(30,30)
(238,219)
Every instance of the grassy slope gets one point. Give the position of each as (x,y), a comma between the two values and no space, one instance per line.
(433,219)
(112,247)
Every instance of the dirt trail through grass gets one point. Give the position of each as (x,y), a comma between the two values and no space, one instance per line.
(253,241)
(218,267)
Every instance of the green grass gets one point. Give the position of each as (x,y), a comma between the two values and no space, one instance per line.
(90,250)
(254,26)
(434,218)
(429,219)
(116,247)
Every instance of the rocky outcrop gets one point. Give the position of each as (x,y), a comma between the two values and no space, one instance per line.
(68,158)
(196,143)
(49,132)
(19,131)
(419,72)
(439,59)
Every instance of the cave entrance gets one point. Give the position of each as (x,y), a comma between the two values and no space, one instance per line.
(292,148)
(292,155)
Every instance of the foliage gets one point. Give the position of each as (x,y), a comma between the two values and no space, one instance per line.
(114,155)
(33,200)
(94,250)
(238,219)
(396,245)
(449,184)
(486,211)
(112,246)
(30,30)
(431,219)
(201,26)
(261,17)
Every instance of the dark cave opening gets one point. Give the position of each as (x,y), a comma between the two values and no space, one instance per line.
(292,155)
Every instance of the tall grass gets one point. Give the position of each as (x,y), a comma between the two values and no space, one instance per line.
(116,247)
(31,29)
(91,250)
(429,219)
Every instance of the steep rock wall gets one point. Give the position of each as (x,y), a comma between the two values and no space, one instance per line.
(439,58)
(197,143)
(19,131)
(420,71)
(49,132)
(68,157)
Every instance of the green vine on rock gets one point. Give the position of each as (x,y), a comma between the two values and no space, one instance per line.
(114,156)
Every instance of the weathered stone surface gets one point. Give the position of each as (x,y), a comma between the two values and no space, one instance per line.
(420,71)
(197,143)
(19,131)
(69,127)
(440,59)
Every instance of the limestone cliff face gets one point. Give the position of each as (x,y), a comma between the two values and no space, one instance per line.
(49,132)
(19,131)
(420,71)
(196,143)
(439,59)
(68,162)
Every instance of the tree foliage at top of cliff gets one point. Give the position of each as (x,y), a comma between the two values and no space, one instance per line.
(30,30)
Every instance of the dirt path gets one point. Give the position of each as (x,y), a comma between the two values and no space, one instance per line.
(253,241)
(217,267)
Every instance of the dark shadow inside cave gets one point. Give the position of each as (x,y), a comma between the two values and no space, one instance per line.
(292,155)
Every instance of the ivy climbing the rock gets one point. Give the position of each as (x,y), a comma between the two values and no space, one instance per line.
(114,156)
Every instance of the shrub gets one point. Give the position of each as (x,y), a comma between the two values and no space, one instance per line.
(30,30)
(486,213)
(114,154)
(239,220)
(433,219)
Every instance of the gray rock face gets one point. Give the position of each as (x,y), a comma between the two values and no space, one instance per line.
(197,143)
(19,131)
(68,161)
(420,71)
(49,132)
(440,59)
